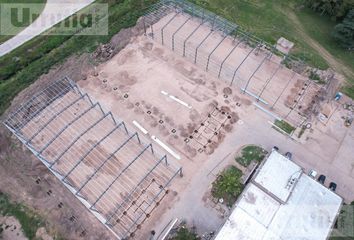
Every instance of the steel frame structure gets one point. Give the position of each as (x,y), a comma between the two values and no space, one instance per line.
(226,29)
(121,197)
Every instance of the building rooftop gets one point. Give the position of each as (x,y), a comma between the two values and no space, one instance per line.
(308,213)
(278,176)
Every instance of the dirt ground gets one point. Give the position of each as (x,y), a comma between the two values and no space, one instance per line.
(136,85)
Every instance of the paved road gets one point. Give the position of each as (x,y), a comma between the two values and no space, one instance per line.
(61,9)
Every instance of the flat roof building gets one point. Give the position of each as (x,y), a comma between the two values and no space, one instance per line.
(282,203)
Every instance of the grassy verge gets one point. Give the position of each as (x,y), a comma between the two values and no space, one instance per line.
(285,126)
(251,153)
(23,66)
(344,227)
(320,30)
(228,185)
(29,221)
(268,21)
(183,233)
(38,8)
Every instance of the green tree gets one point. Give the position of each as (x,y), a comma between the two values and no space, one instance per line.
(344,32)
(336,9)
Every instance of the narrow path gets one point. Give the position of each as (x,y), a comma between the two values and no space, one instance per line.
(60,9)
(335,63)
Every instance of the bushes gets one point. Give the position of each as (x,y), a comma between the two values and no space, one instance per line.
(29,221)
(228,185)
(251,153)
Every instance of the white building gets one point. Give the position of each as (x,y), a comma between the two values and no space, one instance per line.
(282,203)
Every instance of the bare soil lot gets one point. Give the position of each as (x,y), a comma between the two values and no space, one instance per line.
(198,116)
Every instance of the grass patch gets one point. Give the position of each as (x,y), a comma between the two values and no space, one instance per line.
(251,153)
(285,126)
(269,20)
(38,8)
(320,29)
(183,233)
(344,226)
(228,185)
(23,66)
(349,90)
(30,222)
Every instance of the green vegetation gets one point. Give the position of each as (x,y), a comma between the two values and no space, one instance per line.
(23,66)
(309,30)
(302,131)
(251,153)
(29,221)
(228,185)
(35,8)
(336,10)
(184,233)
(344,32)
(285,126)
(344,227)
(314,76)
(269,20)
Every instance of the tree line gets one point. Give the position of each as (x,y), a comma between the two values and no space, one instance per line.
(341,11)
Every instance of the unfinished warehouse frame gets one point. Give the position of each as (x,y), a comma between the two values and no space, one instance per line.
(226,51)
(118,177)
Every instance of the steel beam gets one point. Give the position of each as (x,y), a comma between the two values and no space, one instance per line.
(283,90)
(43,101)
(120,174)
(105,161)
(179,28)
(78,137)
(55,116)
(92,148)
(209,56)
(189,36)
(254,72)
(300,98)
(136,187)
(228,55)
(268,81)
(154,199)
(163,28)
(200,44)
(34,97)
(238,67)
(64,128)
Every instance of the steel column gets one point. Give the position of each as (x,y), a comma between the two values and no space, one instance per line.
(228,55)
(179,28)
(64,128)
(136,187)
(200,44)
(55,116)
(105,161)
(258,67)
(166,26)
(116,178)
(78,137)
(268,81)
(286,86)
(189,36)
(92,148)
(238,67)
(209,56)
(301,97)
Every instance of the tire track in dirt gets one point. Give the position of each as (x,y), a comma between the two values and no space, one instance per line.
(332,61)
